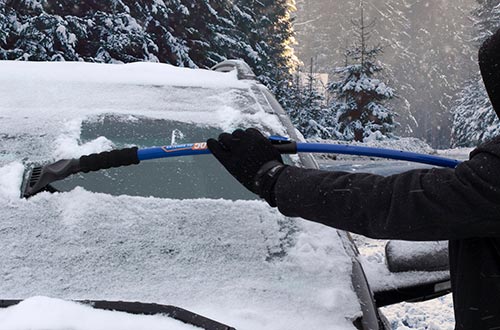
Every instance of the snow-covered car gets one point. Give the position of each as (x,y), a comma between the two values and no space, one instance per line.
(178,231)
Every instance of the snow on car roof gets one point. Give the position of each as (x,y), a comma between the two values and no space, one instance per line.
(241,263)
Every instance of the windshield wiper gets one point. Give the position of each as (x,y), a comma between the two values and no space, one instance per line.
(174,312)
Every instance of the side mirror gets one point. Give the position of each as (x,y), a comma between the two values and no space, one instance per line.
(414,271)
(403,256)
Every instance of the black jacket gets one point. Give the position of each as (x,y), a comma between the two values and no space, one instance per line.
(460,205)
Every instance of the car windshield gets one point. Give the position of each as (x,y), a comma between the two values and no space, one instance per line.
(199,176)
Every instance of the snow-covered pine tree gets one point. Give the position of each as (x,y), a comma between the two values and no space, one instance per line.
(72,30)
(207,31)
(5,31)
(190,33)
(158,19)
(277,40)
(246,33)
(266,40)
(474,120)
(306,107)
(33,34)
(358,110)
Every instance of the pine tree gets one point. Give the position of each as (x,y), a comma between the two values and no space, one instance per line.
(207,31)
(358,106)
(427,50)
(32,34)
(474,120)
(188,33)
(266,40)
(164,21)
(306,107)
(4,26)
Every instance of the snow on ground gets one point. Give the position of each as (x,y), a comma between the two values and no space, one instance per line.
(457,153)
(42,313)
(435,314)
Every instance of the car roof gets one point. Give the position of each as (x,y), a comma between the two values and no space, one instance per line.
(239,262)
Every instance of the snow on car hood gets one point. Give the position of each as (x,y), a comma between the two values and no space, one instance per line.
(238,262)
(241,263)
(54,314)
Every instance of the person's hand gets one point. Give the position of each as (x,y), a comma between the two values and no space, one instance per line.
(251,158)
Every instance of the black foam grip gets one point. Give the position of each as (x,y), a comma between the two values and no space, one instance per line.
(108,159)
(289,148)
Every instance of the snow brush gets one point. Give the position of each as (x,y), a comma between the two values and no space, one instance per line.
(40,178)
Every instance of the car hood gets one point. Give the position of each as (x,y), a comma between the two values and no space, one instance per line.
(238,262)
(42,313)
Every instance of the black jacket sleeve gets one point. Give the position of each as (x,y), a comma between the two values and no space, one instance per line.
(427,204)
(435,204)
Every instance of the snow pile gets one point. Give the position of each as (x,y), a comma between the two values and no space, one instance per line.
(41,313)
(10,180)
(435,314)
(456,153)
(140,73)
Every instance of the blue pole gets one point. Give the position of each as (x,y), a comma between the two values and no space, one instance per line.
(192,149)
(189,149)
(377,152)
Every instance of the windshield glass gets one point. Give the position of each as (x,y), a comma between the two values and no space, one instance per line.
(199,176)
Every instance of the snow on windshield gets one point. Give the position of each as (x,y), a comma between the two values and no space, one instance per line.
(238,262)
(44,104)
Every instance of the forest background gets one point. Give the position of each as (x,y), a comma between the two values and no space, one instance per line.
(396,67)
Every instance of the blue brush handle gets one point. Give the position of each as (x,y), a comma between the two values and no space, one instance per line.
(290,147)
(189,149)
(377,152)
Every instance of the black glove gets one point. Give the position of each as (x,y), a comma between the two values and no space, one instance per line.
(251,158)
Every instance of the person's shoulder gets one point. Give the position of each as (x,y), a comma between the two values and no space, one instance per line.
(491,146)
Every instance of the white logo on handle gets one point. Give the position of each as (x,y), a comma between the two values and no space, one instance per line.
(200,146)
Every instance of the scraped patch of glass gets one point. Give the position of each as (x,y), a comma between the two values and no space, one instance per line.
(179,177)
